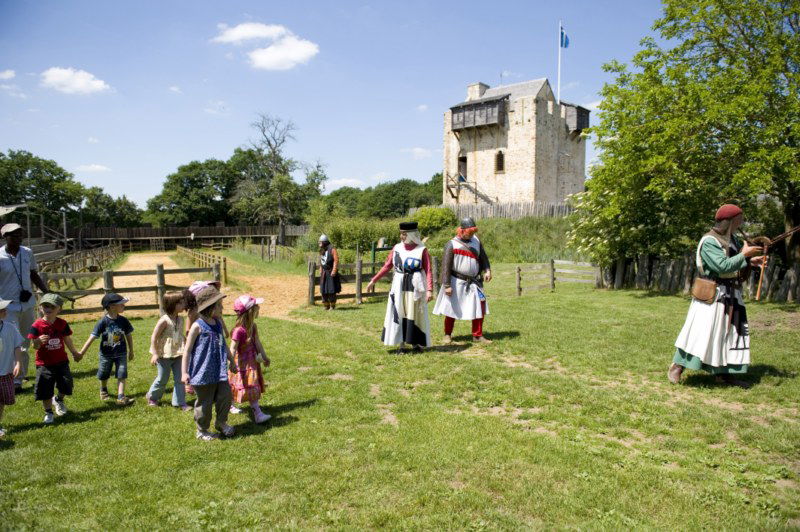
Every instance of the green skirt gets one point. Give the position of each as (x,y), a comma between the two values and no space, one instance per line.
(682,358)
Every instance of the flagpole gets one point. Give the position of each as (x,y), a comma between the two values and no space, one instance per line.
(558,85)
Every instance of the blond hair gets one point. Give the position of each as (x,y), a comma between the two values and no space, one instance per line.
(247,320)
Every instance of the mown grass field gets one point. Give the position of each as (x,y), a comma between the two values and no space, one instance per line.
(566,420)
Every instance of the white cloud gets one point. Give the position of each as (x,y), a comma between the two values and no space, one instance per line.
(422,107)
(13,90)
(248,31)
(284,54)
(594,106)
(7,74)
(176,89)
(217,107)
(92,168)
(72,81)
(418,153)
(93,140)
(333,184)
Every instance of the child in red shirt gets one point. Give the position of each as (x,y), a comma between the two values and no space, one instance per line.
(50,336)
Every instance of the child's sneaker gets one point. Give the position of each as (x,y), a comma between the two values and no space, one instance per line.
(261,417)
(61,408)
(206,436)
(226,430)
(186,408)
(124,401)
(150,402)
(104,395)
(48,418)
(235,409)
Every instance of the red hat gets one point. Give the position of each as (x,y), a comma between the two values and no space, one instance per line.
(727,211)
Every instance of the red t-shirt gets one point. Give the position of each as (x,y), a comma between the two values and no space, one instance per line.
(53,351)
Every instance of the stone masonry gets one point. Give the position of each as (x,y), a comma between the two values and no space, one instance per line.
(513,143)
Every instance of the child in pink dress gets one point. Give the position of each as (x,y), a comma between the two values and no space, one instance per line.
(247,384)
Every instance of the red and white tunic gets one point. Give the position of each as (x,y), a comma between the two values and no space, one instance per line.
(465,301)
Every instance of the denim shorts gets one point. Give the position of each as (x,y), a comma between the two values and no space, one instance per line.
(106,363)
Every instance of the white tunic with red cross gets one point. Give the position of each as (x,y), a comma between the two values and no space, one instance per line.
(465,301)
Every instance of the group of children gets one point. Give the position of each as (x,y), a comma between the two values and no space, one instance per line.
(193,350)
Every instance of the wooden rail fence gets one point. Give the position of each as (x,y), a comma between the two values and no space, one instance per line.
(358,276)
(108,277)
(206,260)
(562,271)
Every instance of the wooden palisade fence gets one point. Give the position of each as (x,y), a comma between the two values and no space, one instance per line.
(512,211)
(562,271)
(359,276)
(677,275)
(206,260)
(108,277)
(269,250)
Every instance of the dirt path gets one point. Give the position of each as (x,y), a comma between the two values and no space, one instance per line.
(281,293)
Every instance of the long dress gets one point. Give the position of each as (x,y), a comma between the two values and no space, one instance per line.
(468,259)
(715,337)
(329,284)
(406,319)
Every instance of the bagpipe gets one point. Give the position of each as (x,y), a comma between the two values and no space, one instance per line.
(767,243)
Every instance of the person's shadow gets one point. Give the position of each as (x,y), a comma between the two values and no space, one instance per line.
(250,428)
(755,373)
(73,416)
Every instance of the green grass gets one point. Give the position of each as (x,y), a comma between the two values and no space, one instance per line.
(566,420)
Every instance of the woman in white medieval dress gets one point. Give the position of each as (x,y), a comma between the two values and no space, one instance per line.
(715,337)
(406,321)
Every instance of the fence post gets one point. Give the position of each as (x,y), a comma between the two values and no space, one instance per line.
(225,270)
(108,281)
(273,247)
(359,264)
(215,272)
(519,281)
(262,249)
(552,275)
(312,267)
(160,287)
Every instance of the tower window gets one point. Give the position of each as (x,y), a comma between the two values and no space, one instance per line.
(499,162)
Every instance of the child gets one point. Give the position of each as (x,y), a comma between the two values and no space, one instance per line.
(50,335)
(247,384)
(191,303)
(116,346)
(204,365)
(166,348)
(11,354)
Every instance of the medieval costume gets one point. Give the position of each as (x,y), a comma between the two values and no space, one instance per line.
(463,268)
(406,320)
(329,282)
(715,336)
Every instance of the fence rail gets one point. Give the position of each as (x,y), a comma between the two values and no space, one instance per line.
(87,260)
(206,260)
(108,276)
(125,233)
(562,271)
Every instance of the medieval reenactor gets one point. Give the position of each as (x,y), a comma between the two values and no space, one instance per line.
(329,282)
(464,268)
(715,336)
(406,321)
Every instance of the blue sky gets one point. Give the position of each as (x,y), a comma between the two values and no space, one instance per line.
(121,93)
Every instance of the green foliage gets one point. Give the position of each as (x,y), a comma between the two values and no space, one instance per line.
(433,219)
(347,233)
(710,116)
(104,211)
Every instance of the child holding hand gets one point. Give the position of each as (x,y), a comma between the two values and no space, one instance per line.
(204,365)
(166,350)
(247,384)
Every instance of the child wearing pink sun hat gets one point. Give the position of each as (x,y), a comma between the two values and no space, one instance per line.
(247,384)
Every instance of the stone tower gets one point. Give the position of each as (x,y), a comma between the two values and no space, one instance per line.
(513,143)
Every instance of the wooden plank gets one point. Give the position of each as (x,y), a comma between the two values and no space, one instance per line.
(577,272)
(101,309)
(84,275)
(132,273)
(75,293)
(573,263)
(188,270)
(570,280)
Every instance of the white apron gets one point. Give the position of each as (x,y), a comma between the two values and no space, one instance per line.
(465,301)
(406,318)
(707,334)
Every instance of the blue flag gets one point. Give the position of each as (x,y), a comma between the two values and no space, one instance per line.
(564,39)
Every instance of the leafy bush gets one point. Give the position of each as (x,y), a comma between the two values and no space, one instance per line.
(352,233)
(434,219)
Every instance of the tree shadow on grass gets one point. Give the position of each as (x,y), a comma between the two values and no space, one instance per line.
(755,374)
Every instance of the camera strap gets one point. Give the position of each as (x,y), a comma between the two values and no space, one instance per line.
(18,271)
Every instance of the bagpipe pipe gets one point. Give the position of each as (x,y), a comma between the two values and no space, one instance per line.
(767,243)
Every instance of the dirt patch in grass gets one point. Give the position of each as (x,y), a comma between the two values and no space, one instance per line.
(387,416)
(340,377)
(775,321)
(374,390)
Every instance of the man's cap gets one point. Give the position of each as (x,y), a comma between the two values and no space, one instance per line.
(467,223)
(9,228)
(4,303)
(727,211)
(112,299)
(52,299)
(207,296)
(408,226)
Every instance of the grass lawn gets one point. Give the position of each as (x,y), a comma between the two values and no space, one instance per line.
(566,420)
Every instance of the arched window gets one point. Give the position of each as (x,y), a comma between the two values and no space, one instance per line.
(499,162)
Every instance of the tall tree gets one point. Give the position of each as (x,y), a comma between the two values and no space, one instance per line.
(711,115)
